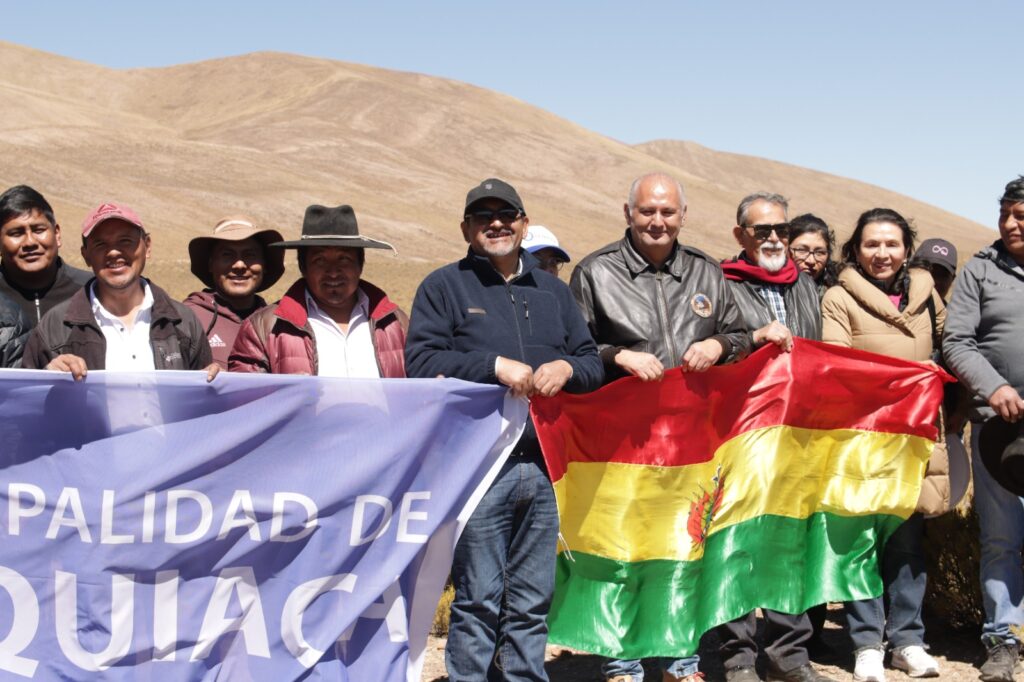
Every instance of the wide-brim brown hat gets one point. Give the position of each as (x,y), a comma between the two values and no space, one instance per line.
(235,229)
(324,226)
(1002,451)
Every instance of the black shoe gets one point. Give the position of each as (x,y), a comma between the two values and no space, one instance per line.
(805,673)
(1000,660)
(743,673)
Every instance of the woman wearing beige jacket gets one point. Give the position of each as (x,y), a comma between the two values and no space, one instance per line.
(881,306)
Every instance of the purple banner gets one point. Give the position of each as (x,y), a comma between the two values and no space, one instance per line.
(156,527)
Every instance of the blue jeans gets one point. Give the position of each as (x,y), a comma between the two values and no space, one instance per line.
(1001,525)
(504,577)
(680,667)
(905,579)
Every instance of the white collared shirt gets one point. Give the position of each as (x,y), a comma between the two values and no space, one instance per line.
(128,350)
(341,354)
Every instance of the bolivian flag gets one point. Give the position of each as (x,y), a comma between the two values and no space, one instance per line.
(770,483)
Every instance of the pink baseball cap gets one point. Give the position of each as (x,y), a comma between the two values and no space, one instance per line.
(110,211)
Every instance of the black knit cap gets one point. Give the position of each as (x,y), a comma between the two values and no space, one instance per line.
(1014,192)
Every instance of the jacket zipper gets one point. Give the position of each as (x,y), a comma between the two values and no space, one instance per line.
(515,316)
(39,314)
(663,313)
(526,308)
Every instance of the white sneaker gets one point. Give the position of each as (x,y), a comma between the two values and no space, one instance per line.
(915,661)
(868,667)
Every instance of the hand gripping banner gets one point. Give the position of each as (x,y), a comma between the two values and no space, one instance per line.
(156,527)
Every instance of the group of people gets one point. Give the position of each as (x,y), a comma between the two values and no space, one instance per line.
(640,306)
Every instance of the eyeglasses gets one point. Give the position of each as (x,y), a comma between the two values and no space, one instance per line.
(762,232)
(507,216)
(802,252)
(551,263)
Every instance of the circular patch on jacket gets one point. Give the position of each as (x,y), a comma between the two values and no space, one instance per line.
(701,305)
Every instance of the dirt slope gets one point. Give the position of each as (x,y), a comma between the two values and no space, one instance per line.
(270,133)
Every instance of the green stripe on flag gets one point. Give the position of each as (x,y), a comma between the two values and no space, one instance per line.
(662,607)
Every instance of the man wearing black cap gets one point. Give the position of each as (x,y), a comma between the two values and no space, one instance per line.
(938,256)
(496,317)
(331,322)
(982,346)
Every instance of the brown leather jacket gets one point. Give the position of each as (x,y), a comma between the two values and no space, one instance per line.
(279,340)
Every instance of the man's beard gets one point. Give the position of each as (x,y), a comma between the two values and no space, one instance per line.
(771,256)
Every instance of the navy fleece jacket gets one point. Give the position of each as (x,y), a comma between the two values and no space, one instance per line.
(465,315)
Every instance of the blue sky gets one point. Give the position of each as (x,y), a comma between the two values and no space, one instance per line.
(922,98)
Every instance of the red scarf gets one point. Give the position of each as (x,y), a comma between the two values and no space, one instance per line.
(741,270)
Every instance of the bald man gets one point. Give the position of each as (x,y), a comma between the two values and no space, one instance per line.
(653,304)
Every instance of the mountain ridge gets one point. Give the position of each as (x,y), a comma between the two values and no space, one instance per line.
(269,133)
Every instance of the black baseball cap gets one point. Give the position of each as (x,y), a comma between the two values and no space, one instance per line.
(939,252)
(493,188)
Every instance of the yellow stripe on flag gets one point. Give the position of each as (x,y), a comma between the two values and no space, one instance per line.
(631,512)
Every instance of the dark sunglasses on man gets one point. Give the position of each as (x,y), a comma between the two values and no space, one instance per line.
(762,232)
(483,216)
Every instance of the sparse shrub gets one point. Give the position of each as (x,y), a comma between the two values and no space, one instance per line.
(443,612)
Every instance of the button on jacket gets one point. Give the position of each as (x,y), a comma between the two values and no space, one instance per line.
(630,305)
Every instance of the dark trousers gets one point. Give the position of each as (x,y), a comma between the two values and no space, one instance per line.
(818,614)
(785,638)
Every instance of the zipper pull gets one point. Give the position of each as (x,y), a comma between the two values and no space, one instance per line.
(526,306)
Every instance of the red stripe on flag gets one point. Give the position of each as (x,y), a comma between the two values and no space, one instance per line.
(685,417)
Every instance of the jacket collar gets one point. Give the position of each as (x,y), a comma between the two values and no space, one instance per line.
(482,265)
(80,308)
(998,254)
(877,301)
(292,306)
(59,272)
(212,300)
(637,263)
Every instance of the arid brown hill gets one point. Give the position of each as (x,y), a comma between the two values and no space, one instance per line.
(268,133)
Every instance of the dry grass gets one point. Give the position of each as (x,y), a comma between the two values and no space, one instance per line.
(268,134)
(443,614)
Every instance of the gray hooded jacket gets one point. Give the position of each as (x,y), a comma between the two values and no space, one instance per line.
(985,326)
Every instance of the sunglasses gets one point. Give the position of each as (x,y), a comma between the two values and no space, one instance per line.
(762,232)
(506,216)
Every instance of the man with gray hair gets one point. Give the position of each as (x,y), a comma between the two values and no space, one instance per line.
(777,301)
(652,304)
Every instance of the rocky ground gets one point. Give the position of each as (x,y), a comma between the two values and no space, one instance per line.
(958,652)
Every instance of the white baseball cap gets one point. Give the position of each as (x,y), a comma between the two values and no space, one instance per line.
(539,237)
